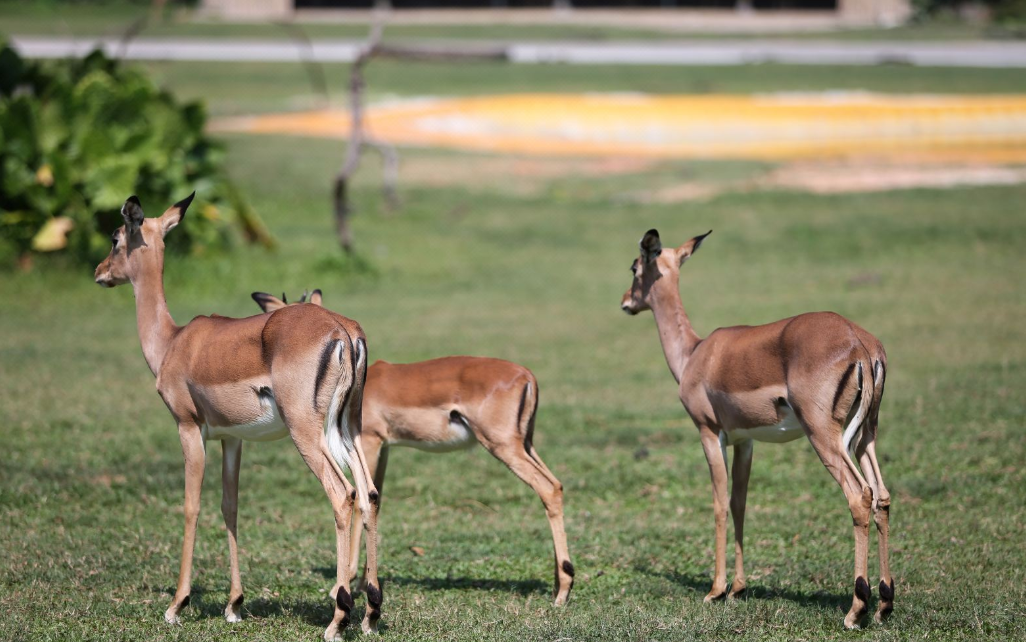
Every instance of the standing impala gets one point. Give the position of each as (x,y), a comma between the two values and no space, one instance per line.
(298,372)
(816,373)
(449,404)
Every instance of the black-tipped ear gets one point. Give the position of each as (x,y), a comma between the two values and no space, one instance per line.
(132,212)
(685,251)
(184,204)
(175,214)
(650,246)
(315,297)
(268,302)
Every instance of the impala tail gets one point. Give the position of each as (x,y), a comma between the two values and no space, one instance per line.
(860,411)
(342,420)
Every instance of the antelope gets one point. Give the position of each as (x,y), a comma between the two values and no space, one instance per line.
(298,372)
(816,373)
(450,404)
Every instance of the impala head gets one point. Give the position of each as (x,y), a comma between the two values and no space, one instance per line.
(138,245)
(656,269)
(270,303)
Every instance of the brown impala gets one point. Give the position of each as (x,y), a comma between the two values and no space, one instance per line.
(298,372)
(816,374)
(449,404)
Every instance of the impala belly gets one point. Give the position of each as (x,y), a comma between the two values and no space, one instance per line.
(448,431)
(788,429)
(760,415)
(253,417)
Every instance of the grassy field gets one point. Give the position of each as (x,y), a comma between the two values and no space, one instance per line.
(91,475)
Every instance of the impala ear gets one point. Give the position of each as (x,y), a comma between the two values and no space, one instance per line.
(268,302)
(315,297)
(174,214)
(685,251)
(132,212)
(650,246)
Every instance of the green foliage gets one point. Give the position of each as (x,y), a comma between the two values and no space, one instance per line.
(79,136)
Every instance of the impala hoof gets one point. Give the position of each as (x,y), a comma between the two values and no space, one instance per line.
(854,620)
(232,618)
(332,634)
(715,596)
(368,628)
(172,618)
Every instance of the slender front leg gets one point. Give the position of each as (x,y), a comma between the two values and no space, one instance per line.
(740,470)
(718,471)
(195,457)
(231,451)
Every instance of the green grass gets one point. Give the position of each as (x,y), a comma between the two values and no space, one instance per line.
(55,18)
(91,475)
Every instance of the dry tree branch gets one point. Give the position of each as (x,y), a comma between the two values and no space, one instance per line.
(358,137)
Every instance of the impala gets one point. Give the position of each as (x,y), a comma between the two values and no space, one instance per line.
(298,372)
(816,374)
(449,404)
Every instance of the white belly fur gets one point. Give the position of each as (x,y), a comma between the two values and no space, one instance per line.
(268,427)
(458,437)
(786,430)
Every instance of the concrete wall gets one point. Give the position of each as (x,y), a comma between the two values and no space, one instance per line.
(850,13)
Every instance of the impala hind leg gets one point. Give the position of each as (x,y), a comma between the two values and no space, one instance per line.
(195,457)
(535,474)
(377,461)
(826,440)
(231,458)
(740,472)
(716,457)
(372,586)
(881,515)
(318,458)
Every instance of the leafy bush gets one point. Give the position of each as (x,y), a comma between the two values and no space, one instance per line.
(79,136)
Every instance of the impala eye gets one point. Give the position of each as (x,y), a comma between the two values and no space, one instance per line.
(114,239)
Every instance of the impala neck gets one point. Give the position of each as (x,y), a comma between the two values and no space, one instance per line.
(156,327)
(676,335)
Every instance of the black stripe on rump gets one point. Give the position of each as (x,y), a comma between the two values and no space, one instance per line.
(842,385)
(322,368)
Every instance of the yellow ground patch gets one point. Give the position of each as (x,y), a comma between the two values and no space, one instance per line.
(770,126)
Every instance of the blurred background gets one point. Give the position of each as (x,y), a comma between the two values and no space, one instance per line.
(470,177)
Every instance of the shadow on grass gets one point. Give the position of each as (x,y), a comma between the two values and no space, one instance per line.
(522,588)
(701,585)
(315,612)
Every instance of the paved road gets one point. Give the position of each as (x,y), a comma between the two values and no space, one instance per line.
(699,52)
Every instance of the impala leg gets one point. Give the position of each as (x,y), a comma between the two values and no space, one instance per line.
(826,440)
(341,494)
(740,471)
(195,457)
(530,469)
(881,515)
(231,458)
(716,459)
(377,460)
(370,522)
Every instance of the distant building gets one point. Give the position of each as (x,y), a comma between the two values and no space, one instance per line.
(718,13)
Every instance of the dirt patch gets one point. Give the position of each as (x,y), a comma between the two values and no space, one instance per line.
(844,177)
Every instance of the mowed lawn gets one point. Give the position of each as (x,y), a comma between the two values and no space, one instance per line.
(91,469)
